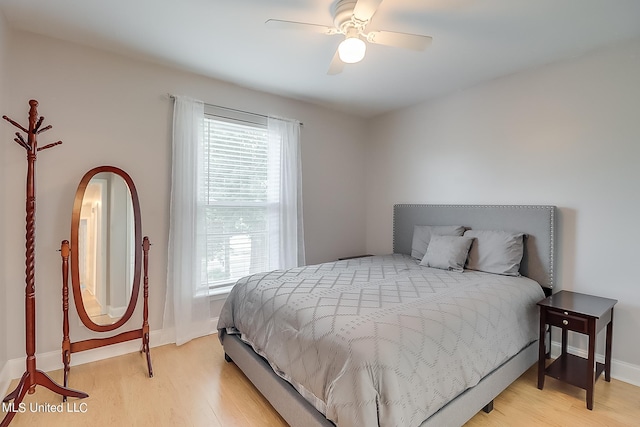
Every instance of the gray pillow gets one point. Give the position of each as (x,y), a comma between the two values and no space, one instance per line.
(422,235)
(447,252)
(495,251)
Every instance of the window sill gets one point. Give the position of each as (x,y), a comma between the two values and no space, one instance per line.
(217,293)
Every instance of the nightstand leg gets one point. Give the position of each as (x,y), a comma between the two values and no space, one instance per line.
(548,355)
(591,373)
(607,351)
(541,348)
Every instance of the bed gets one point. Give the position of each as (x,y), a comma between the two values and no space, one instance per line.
(402,339)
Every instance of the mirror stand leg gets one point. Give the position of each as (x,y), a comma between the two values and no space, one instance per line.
(146,245)
(66,358)
(145,346)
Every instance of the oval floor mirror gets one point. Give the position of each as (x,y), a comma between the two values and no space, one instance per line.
(108,255)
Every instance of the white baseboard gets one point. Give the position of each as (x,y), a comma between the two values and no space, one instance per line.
(4,379)
(620,370)
(52,360)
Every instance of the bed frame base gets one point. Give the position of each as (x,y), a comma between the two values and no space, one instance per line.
(297,412)
(285,399)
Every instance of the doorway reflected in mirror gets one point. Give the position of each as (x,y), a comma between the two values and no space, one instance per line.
(106,242)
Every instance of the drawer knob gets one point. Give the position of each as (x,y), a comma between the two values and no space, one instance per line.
(565,313)
(565,322)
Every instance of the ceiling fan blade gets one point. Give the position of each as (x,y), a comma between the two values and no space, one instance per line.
(336,65)
(365,9)
(407,41)
(303,26)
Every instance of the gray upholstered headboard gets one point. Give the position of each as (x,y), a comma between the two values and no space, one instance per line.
(537,222)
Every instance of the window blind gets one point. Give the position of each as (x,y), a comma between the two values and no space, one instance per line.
(235,199)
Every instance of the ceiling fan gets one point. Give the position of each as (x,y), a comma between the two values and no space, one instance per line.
(351,18)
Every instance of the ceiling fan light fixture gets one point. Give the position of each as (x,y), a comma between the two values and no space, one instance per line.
(352,50)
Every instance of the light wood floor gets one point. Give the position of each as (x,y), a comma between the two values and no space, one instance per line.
(194,386)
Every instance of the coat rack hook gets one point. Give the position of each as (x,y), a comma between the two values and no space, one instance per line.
(22,144)
(21,138)
(44,129)
(15,124)
(38,124)
(49,145)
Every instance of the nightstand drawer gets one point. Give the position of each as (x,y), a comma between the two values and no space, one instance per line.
(562,320)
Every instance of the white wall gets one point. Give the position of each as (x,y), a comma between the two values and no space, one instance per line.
(5,141)
(566,134)
(110,109)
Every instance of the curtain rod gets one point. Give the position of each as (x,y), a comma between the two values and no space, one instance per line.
(235,110)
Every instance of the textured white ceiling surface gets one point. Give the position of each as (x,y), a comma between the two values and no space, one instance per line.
(473,41)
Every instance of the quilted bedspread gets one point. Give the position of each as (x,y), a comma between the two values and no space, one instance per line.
(382,341)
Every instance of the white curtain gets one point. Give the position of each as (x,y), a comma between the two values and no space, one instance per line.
(187,305)
(285,194)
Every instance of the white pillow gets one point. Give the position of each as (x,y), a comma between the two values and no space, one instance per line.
(422,235)
(495,251)
(447,252)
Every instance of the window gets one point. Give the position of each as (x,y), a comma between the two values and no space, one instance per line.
(236,206)
(235,193)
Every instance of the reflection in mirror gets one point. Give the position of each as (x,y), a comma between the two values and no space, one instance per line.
(106,248)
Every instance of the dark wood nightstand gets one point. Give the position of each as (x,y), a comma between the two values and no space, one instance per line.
(587,315)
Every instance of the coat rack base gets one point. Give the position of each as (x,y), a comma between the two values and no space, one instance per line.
(27,384)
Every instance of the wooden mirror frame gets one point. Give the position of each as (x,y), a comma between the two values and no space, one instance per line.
(141,265)
(75,256)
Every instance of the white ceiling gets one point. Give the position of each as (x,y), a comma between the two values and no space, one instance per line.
(473,41)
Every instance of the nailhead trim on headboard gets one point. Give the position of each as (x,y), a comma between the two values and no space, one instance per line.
(550,209)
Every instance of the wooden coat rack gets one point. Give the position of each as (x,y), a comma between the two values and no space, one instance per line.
(32,376)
